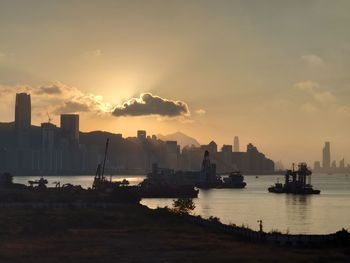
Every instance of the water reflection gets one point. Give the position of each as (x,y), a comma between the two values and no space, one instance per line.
(324,213)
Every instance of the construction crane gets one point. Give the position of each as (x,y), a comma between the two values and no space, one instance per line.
(48,117)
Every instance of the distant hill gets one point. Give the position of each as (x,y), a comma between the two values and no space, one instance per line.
(181,138)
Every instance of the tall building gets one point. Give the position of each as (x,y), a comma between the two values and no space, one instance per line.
(236,144)
(326,156)
(172,151)
(70,128)
(212,147)
(226,148)
(317,166)
(22,112)
(51,156)
(48,136)
(141,135)
(23,125)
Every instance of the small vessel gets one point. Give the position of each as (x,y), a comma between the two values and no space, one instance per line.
(234,180)
(295,182)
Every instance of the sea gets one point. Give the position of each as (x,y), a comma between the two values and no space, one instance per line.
(295,214)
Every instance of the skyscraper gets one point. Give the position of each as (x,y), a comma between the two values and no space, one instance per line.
(70,128)
(236,144)
(141,134)
(326,160)
(22,112)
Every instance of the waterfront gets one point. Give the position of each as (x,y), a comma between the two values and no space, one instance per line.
(321,214)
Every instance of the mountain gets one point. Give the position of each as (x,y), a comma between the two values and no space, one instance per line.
(181,138)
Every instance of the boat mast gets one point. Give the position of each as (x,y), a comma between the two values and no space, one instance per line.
(105,157)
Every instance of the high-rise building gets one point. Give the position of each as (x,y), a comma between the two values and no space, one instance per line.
(226,154)
(172,154)
(317,166)
(236,144)
(334,165)
(326,156)
(50,155)
(48,136)
(22,112)
(226,148)
(141,135)
(70,128)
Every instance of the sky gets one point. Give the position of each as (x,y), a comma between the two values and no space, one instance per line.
(274,73)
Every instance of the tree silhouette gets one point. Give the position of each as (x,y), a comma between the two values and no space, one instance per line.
(183,205)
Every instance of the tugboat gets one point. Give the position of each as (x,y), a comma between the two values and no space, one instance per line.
(234,180)
(295,182)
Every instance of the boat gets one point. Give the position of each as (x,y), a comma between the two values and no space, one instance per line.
(296,182)
(234,180)
(209,179)
(116,191)
(166,183)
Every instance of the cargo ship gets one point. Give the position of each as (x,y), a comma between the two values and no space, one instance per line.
(296,182)
(166,183)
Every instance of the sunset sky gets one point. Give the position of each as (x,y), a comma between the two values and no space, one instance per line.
(275,73)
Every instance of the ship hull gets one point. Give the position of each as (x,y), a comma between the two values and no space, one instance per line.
(298,192)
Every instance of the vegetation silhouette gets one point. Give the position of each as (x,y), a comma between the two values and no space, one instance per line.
(183,205)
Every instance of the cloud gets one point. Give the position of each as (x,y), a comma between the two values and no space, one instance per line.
(50,90)
(308,107)
(56,99)
(72,107)
(201,112)
(318,93)
(59,98)
(320,99)
(313,60)
(148,104)
(93,53)
(345,110)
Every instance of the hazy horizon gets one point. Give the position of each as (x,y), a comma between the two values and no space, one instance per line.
(273,73)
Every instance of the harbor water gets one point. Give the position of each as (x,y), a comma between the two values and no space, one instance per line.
(312,214)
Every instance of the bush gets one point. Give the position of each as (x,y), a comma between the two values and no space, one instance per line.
(183,205)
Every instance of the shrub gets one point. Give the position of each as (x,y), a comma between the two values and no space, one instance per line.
(183,205)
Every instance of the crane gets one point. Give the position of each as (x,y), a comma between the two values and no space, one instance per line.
(48,116)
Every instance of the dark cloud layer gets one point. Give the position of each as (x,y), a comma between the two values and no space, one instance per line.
(72,107)
(149,104)
(51,90)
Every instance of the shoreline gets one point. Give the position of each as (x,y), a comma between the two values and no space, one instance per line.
(135,233)
(275,237)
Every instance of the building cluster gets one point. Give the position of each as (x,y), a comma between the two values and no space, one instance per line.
(48,149)
(329,166)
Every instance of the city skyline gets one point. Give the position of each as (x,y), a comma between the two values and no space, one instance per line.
(244,74)
(64,149)
(70,123)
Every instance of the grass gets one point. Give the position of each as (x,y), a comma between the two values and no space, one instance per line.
(132,233)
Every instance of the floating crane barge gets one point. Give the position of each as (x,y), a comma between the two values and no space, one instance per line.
(296,182)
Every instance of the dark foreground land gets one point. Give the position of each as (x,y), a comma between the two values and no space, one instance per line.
(132,233)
